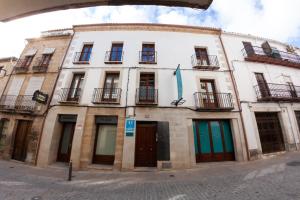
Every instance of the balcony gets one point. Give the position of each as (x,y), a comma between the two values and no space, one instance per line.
(21,103)
(69,95)
(107,96)
(148,57)
(146,96)
(40,65)
(21,66)
(278,92)
(114,57)
(208,62)
(82,58)
(213,101)
(257,54)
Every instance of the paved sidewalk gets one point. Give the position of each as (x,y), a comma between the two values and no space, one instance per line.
(274,178)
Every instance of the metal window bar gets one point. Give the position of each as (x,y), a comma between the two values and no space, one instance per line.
(148,57)
(205,61)
(69,95)
(146,95)
(207,100)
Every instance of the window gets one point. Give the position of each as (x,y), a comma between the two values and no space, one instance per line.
(202,56)
(148,53)
(76,86)
(27,61)
(105,140)
(86,52)
(45,59)
(147,87)
(248,48)
(116,53)
(262,85)
(110,90)
(208,94)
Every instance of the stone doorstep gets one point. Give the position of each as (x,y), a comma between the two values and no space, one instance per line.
(272,155)
(98,167)
(145,169)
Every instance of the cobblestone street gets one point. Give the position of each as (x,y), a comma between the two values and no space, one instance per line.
(272,178)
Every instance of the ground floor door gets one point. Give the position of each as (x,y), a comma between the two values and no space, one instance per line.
(297,113)
(213,141)
(21,140)
(270,132)
(145,144)
(65,145)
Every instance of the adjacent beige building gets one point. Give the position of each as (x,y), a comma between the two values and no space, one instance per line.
(36,70)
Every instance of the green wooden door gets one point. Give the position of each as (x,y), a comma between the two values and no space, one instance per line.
(213,141)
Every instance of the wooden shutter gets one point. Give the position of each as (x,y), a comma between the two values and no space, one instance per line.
(163,141)
(34,84)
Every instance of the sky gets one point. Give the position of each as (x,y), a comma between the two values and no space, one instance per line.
(274,19)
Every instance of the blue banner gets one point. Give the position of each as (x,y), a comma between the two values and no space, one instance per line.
(179,82)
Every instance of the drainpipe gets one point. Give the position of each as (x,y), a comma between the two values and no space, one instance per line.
(237,95)
(50,98)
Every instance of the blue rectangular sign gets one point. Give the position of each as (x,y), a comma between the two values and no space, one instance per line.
(130,125)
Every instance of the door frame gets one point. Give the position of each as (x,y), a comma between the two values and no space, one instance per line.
(215,104)
(226,156)
(59,157)
(154,123)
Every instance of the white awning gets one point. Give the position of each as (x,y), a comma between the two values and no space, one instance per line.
(48,50)
(30,52)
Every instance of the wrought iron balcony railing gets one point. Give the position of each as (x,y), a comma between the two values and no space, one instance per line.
(69,95)
(277,92)
(213,101)
(107,95)
(146,96)
(21,103)
(257,54)
(82,57)
(205,62)
(40,65)
(113,57)
(21,66)
(148,57)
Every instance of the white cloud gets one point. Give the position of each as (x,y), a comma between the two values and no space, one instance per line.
(267,18)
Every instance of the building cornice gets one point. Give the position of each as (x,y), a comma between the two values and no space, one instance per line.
(8,59)
(146,27)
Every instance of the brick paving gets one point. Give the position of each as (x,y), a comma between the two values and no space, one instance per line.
(270,179)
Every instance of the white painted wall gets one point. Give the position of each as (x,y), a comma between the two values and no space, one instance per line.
(173,48)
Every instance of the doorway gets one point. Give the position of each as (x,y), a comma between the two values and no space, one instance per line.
(270,132)
(65,144)
(21,140)
(213,141)
(208,94)
(146,144)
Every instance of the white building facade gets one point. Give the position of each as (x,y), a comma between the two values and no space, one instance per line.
(267,77)
(113,72)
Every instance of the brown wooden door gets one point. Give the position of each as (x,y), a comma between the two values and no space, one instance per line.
(65,144)
(75,89)
(147,87)
(270,132)
(208,94)
(248,48)
(110,87)
(262,85)
(145,145)
(21,140)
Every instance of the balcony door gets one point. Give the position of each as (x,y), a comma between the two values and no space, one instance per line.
(147,87)
(66,140)
(148,53)
(86,52)
(116,53)
(202,56)
(110,90)
(75,89)
(262,85)
(45,60)
(208,94)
